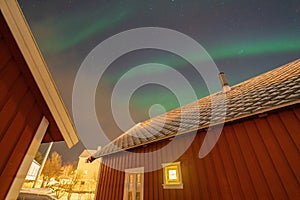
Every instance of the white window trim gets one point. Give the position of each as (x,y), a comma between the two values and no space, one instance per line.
(172,186)
(135,170)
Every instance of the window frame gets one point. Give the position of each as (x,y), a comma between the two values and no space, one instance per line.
(137,180)
(171,183)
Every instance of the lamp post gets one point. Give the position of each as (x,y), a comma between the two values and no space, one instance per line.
(43,164)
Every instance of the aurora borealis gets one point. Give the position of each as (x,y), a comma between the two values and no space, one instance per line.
(244,38)
(77,31)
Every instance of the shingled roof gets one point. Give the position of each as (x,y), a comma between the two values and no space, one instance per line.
(272,90)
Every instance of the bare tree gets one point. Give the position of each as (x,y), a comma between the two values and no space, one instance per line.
(68,181)
(38,157)
(76,178)
(52,168)
(65,181)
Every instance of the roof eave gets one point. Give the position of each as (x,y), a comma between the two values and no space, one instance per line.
(37,66)
(297,101)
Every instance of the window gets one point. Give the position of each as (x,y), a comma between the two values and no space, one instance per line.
(172,176)
(134,184)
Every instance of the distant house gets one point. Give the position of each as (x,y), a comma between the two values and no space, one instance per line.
(31,110)
(256,156)
(33,171)
(88,172)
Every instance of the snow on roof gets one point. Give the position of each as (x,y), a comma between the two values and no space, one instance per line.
(274,89)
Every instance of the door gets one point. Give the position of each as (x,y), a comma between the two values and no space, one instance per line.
(134,184)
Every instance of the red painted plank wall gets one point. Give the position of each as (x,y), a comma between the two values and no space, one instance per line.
(254,158)
(20,114)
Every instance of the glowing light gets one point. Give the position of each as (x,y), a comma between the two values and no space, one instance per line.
(63,34)
(172,174)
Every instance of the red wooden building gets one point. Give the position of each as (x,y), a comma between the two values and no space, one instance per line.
(256,156)
(31,110)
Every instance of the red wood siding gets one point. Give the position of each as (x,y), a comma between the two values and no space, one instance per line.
(21,109)
(9,52)
(254,158)
(20,115)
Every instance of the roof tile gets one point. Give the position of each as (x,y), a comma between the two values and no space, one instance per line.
(264,92)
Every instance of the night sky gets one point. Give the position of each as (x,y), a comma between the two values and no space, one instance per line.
(244,38)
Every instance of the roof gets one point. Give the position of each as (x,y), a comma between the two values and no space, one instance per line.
(87,153)
(269,91)
(36,162)
(37,67)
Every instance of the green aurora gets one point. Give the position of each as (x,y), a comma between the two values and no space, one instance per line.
(228,50)
(63,37)
(143,100)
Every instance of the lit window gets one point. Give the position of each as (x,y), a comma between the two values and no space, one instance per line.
(172,176)
(138,178)
(134,184)
(131,178)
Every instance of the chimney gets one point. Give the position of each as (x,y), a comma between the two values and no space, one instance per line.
(225,86)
